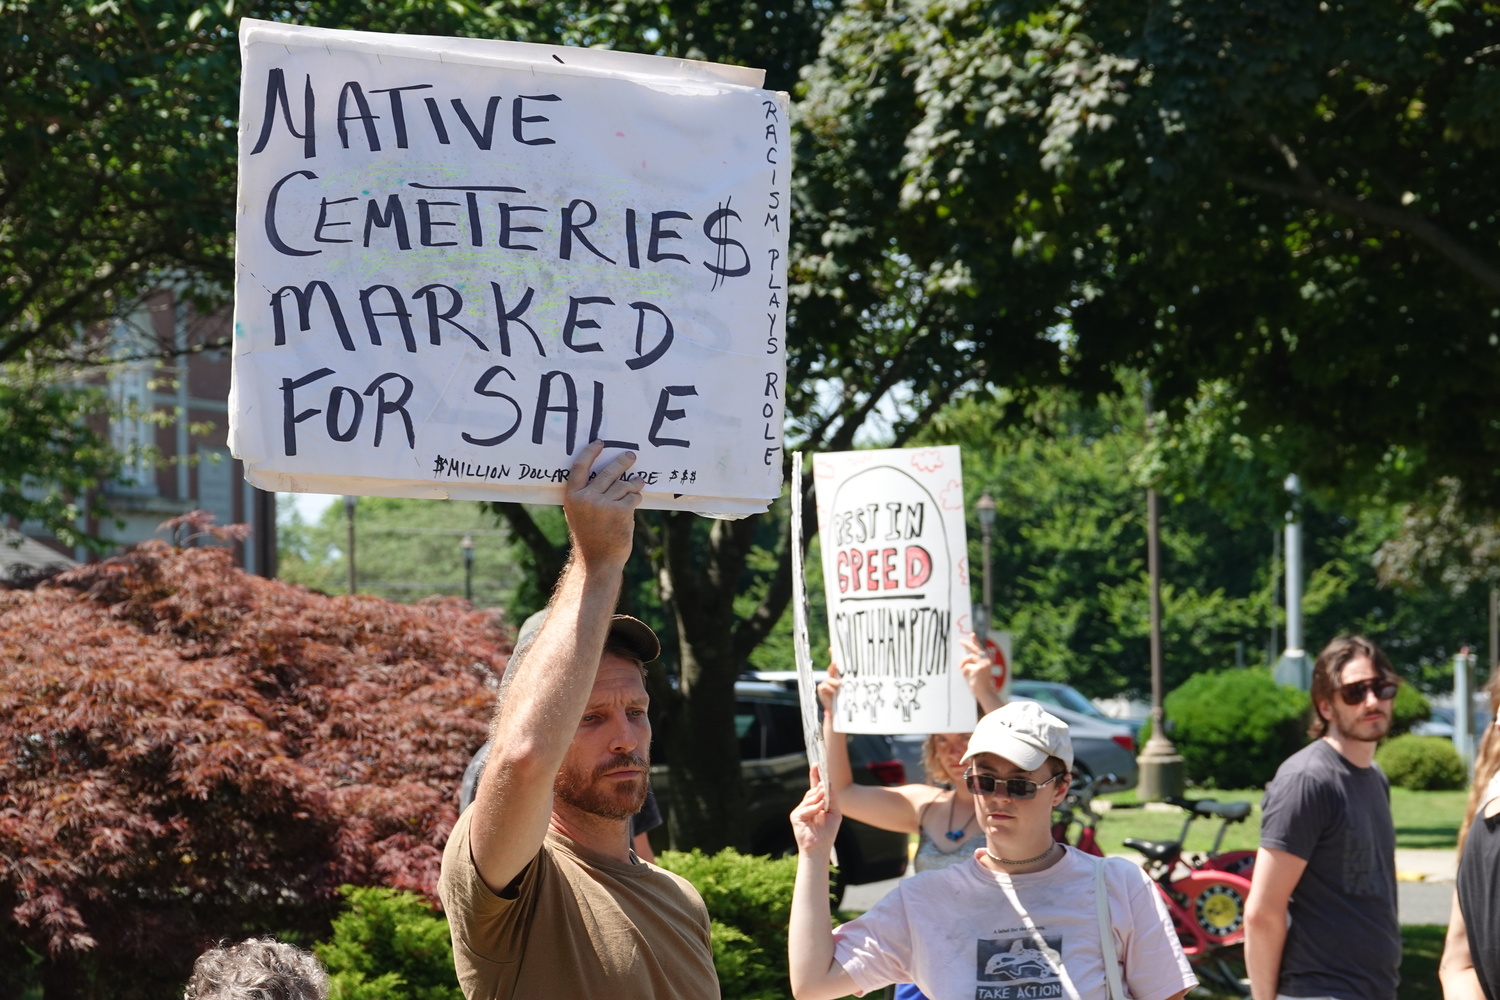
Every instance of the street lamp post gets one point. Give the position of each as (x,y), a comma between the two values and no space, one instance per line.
(985,507)
(349,503)
(1294,668)
(1161,770)
(468,546)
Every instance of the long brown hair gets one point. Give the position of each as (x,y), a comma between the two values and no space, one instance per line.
(1488,760)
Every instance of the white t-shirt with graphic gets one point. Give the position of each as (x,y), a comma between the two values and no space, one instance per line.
(959,935)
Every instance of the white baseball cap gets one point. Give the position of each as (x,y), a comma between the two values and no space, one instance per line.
(1023,733)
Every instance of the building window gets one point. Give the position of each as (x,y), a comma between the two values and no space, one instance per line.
(131,430)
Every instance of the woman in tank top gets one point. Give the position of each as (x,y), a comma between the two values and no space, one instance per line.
(1470,967)
(941,813)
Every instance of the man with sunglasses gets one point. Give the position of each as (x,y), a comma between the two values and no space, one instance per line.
(1321,918)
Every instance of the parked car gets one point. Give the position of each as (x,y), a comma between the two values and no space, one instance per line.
(1069,697)
(773,766)
(1439,723)
(1101,745)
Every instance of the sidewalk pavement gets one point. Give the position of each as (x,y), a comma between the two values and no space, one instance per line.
(1424,885)
(1424,865)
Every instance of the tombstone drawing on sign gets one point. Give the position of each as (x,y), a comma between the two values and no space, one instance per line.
(891,525)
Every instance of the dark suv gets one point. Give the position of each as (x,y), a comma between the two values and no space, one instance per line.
(773,763)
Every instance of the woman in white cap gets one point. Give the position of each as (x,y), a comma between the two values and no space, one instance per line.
(1024,916)
(940,812)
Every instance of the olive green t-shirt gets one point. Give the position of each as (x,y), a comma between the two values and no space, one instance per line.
(576,924)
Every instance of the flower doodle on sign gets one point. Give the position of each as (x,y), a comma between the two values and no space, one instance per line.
(927,460)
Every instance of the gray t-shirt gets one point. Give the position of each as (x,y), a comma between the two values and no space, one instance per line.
(1344,940)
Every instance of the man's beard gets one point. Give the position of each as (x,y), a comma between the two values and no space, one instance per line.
(585,793)
(1363,730)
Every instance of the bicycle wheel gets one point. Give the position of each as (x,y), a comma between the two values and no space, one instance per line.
(1215,902)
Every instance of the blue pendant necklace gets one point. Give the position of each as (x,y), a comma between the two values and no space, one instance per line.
(952,834)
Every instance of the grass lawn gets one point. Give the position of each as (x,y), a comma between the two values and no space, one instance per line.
(1428,819)
(1423,819)
(1421,947)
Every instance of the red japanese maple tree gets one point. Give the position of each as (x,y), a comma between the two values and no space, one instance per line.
(192,752)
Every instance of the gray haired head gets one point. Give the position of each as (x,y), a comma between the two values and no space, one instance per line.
(257,969)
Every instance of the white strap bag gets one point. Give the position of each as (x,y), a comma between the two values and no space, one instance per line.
(1107,933)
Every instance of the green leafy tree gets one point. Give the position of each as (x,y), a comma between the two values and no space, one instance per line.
(1296,198)
(1442,542)
(1069,549)
(57,456)
(404,550)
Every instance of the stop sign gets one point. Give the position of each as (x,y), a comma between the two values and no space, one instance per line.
(997,645)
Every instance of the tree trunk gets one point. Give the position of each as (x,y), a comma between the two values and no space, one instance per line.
(708,795)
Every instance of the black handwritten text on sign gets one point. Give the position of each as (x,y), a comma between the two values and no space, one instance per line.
(462,274)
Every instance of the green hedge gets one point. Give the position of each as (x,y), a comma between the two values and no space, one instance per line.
(1422,763)
(1411,707)
(389,945)
(1233,728)
(749,902)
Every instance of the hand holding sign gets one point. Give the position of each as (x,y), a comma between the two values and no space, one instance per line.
(816,819)
(600,507)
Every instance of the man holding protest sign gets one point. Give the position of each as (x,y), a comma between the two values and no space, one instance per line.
(543,894)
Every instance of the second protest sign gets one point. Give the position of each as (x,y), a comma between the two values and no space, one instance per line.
(895,571)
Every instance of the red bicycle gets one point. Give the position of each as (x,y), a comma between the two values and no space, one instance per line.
(1206,901)
(1234,862)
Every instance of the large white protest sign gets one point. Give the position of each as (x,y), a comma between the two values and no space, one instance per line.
(458,261)
(895,571)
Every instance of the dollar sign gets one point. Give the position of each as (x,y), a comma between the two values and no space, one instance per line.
(716,228)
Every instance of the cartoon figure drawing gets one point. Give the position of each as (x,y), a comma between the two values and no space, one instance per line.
(849,703)
(873,700)
(1023,961)
(906,698)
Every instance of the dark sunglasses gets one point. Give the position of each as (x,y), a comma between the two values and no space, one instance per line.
(1015,788)
(1354,694)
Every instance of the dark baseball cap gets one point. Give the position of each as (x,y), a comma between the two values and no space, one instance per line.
(630,634)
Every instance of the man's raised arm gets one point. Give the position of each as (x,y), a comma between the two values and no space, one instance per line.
(546,690)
